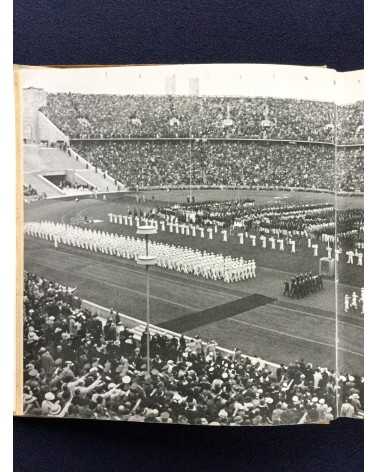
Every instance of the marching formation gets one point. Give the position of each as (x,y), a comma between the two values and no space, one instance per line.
(302,285)
(168,256)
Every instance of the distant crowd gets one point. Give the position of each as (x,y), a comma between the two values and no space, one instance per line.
(145,164)
(170,116)
(263,163)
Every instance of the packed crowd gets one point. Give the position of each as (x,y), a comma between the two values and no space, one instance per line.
(76,365)
(350,169)
(302,285)
(124,116)
(157,163)
(350,119)
(199,263)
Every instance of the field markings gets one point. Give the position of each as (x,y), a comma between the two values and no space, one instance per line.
(301,338)
(87,206)
(123,287)
(217,291)
(312,315)
(213,289)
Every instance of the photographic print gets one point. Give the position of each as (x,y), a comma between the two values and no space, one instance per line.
(191,244)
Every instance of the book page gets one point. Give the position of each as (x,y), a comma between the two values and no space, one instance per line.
(179,265)
(349,231)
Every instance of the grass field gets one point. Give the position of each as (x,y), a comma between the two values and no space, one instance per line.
(281,330)
(262,197)
(302,261)
(277,331)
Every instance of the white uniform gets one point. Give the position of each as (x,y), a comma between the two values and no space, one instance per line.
(181,259)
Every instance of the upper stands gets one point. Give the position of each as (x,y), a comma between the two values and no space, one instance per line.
(116,116)
(300,134)
(350,119)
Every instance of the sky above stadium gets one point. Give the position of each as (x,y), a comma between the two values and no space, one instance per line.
(308,83)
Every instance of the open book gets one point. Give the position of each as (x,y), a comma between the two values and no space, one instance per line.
(190,244)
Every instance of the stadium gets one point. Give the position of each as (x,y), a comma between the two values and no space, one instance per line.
(254,208)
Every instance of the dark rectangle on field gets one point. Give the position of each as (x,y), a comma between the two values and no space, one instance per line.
(216,313)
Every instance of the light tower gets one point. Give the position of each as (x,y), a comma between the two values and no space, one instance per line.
(147,261)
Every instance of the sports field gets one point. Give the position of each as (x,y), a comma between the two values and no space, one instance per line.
(262,197)
(252,315)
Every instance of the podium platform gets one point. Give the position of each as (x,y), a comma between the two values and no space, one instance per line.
(327,267)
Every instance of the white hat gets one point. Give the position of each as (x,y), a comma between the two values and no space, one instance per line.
(126,379)
(49,396)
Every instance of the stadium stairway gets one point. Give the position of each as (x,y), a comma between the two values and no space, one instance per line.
(40,160)
(46,159)
(97,180)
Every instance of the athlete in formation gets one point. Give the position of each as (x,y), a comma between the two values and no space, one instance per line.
(302,285)
(168,256)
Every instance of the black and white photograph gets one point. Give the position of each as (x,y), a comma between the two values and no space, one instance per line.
(193,244)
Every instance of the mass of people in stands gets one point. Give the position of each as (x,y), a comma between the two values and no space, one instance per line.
(145,164)
(277,165)
(350,119)
(78,365)
(124,116)
(350,169)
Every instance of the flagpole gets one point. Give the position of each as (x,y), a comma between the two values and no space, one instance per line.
(190,159)
(147,260)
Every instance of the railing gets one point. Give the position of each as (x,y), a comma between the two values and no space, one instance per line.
(246,187)
(90,166)
(132,322)
(214,139)
(130,190)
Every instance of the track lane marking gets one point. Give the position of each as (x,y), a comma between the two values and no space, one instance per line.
(282,333)
(312,315)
